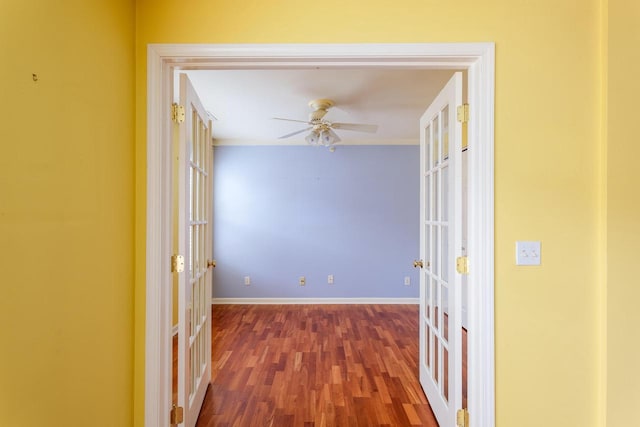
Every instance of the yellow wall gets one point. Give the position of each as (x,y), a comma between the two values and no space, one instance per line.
(67,191)
(623,212)
(66,212)
(548,113)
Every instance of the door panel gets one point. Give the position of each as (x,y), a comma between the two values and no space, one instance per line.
(194,167)
(440,222)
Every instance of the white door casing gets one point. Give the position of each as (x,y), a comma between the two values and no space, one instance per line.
(194,167)
(164,59)
(440,360)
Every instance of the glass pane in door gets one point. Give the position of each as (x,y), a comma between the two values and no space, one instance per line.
(427,151)
(436,142)
(445,313)
(445,132)
(445,373)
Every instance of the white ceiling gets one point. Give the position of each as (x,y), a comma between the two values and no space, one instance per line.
(243,102)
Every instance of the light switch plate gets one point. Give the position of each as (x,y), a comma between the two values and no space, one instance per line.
(528,253)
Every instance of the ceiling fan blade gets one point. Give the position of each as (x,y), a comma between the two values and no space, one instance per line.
(295,133)
(291,120)
(356,127)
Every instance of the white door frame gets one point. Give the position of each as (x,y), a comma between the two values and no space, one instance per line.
(479,61)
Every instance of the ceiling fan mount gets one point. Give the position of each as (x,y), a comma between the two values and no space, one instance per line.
(320,108)
(321,130)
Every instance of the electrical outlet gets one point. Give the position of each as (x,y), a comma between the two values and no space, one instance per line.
(407,281)
(330,279)
(247,280)
(302,281)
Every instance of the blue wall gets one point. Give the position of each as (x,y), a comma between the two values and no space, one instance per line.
(281,212)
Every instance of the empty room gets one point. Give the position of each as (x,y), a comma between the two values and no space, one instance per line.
(321,204)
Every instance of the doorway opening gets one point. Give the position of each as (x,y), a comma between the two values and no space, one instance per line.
(477,59)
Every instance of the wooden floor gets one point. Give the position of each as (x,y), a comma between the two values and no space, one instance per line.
(315,365)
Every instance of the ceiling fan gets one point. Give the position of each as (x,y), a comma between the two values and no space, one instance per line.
(321,130)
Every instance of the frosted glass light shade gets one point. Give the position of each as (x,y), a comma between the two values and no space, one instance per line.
(326,138)
(312,138)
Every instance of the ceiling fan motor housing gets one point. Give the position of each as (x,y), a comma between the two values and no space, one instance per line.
(320,106)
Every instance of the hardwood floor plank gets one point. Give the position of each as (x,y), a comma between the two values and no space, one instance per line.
(412,415)
(315,365)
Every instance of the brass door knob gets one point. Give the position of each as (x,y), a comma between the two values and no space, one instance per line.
(211,263)
(418,263)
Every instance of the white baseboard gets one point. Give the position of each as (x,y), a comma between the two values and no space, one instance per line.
(315,301)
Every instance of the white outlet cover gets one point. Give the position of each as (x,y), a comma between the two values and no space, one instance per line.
(247,280)
(407,281)
(528,253)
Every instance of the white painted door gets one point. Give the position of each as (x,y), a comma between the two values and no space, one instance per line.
(195,161)
(440,244)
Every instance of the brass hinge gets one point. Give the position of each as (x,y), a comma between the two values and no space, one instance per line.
(462,265)
(463,113)
(462,418)
(177,113)
(177,263)
(177,415)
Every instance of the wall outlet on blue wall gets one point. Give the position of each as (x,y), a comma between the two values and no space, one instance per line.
(247,280)
(302,281)
(407,281)
(330,279)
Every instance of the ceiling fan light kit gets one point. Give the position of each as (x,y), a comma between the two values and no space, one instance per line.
(321,130)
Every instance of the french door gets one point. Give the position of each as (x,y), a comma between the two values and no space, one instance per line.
(193,213)
(440,244)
